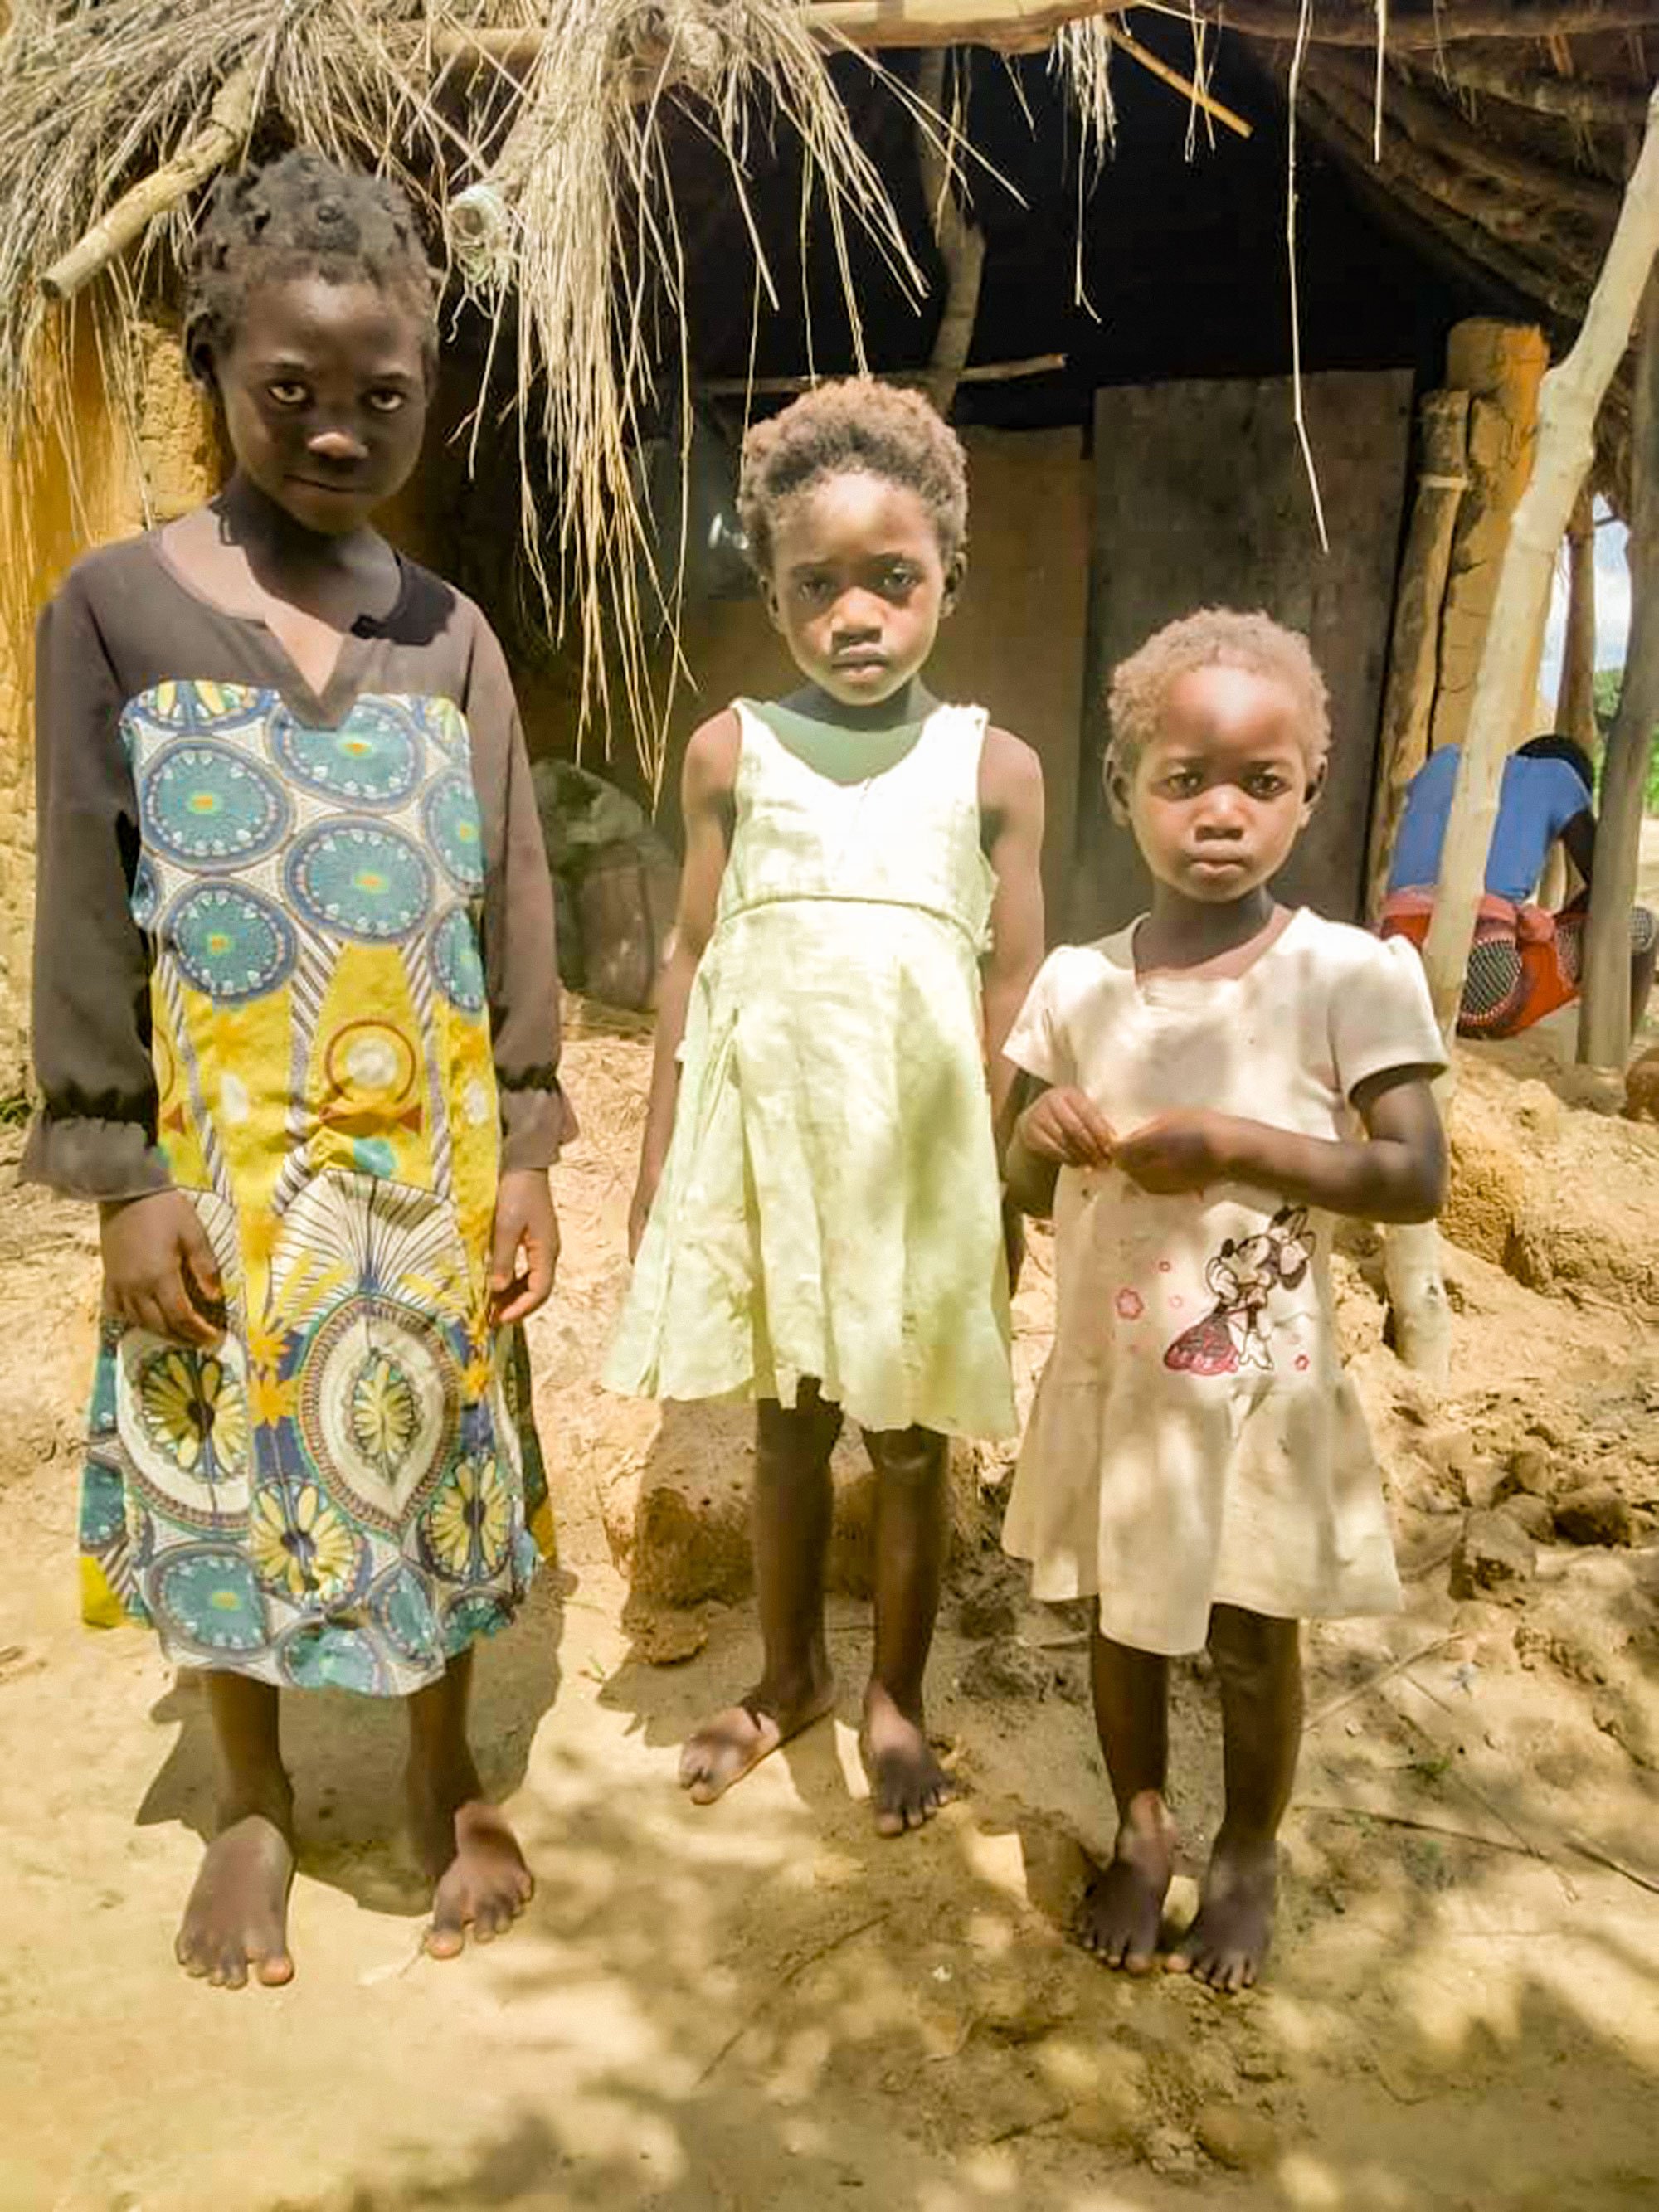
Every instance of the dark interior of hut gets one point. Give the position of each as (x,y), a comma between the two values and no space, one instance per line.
(1164,262)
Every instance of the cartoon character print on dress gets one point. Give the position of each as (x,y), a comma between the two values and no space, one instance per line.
(334,1494)
(1243,1275)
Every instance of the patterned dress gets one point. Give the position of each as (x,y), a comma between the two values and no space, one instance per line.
(310,906)
(830,1205)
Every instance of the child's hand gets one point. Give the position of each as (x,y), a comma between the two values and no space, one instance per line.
(1065,1125)
(1177,1152)
(525,1223)
(159,1267)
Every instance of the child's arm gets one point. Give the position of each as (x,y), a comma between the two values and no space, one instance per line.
(521,983)
(1060,1127)
(1398,1174)
(1011,811)
(707,782)
(96,1135)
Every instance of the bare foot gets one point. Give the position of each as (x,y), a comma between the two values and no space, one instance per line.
(907,1785)
(237,1913)
(732,1742)
(479,1876)
(1228,1941)
(1122,1907)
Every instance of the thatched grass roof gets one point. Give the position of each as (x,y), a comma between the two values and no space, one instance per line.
(530,132)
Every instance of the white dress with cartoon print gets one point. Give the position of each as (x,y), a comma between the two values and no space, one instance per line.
(1194,1440)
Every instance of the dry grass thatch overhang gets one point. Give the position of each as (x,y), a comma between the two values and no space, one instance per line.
(533,136)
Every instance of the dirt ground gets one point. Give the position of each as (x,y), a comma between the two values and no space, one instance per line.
(762,2008)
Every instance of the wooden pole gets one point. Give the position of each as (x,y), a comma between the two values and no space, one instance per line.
(960,240)
(225,131)
(1414,644)
(1575,700)
(1604,1012)
(1571,394)
(1501,366)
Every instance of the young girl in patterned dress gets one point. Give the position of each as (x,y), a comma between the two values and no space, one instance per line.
(295,1027)
(1196,1461)
(817,1219)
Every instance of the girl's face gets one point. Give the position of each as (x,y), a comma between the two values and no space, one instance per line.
(859,586)
(1217,798)
(324,388)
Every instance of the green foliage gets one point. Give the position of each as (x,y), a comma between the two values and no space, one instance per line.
(1608,684)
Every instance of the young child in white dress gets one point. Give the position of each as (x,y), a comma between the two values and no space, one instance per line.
(1211,1084)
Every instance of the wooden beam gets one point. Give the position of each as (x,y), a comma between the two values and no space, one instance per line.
(1448,237)
(1438,129)
(1572,393)
(224,133)
(1481,222)
(1011,27)
(1604,1022)
(781,387)
(1427,29)
(1580,100)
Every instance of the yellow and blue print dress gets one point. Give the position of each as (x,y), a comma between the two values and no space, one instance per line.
(347,1490)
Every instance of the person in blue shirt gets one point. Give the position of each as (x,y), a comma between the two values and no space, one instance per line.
(1525,961)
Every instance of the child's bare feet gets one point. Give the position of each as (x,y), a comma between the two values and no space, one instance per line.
(237,1913)
(733,1741)
(479,1877)
(907,1785)
(1122,1907)
(1229,1938)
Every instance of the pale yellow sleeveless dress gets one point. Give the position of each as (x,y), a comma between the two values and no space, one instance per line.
(830,1205)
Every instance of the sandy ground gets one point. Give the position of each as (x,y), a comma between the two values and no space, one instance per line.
(762,2008)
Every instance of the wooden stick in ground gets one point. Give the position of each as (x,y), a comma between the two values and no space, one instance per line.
(1571,394)
(222,135)
(1604,1013)
(1443,422)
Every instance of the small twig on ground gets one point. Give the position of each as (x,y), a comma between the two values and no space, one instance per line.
(1522,1851)
(1599,1857)
(787,1981)
(1027,2127)
(1373,1682)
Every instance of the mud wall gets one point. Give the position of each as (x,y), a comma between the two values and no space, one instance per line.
(117,483)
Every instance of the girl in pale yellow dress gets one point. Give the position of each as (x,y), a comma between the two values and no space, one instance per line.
(817,1221)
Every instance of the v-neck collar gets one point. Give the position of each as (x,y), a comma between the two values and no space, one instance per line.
(317,709)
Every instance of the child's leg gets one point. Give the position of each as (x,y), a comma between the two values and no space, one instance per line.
(237,1915)
(479,1877)
(912,1530)
(1258,1665)
(790,1512)
(1123,1905)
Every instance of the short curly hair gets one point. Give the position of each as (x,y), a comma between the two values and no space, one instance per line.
(299,217)
(853,425)
(1214,637)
